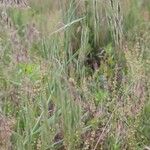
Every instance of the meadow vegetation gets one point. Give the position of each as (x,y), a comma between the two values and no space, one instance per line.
(74,75)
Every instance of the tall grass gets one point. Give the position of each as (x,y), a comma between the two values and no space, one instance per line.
(74,75)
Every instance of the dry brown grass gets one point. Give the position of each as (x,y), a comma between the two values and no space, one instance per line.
(6,126)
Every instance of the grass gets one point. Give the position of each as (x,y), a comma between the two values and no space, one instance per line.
(74,75)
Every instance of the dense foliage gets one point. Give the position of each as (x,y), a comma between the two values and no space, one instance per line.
(74,74)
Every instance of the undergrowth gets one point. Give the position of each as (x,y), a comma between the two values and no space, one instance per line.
(74,75)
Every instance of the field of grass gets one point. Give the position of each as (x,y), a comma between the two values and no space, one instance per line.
(74,75)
